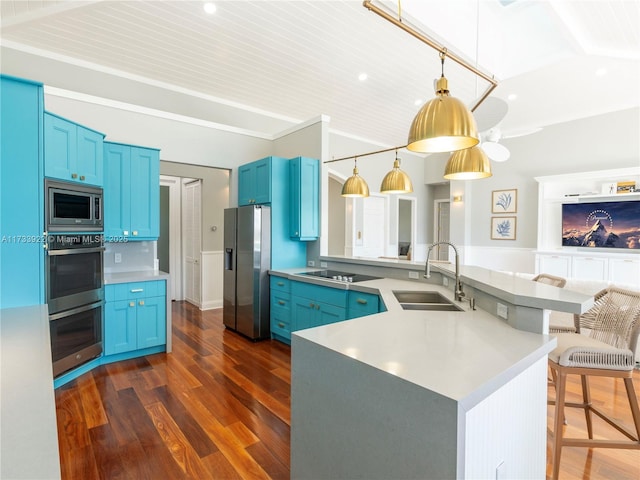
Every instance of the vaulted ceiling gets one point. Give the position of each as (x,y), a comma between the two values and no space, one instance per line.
(293,60)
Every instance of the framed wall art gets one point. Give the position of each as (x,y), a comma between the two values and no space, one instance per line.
(504,201)
(503,228)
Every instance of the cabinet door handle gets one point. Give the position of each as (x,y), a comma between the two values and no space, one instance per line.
(280,302)
(137,290)
(82,177)
(125,232)
(311,305)
(141,302)
(135,233)
(361,301)
(281,325)
(74,175)
(297,233)
(280,284)
(317,307)
(132,304)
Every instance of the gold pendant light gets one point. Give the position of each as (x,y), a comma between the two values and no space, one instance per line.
(396,181)
(355,186)
(469,164)
(443,124)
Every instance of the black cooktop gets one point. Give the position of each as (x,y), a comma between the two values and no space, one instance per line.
(340,276)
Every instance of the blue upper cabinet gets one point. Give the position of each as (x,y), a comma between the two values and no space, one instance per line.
(131,192)
(254,182)
(72,152)
(266,181)
(304,179)
(22,190)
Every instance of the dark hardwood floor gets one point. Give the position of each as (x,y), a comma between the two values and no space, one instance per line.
(218,407)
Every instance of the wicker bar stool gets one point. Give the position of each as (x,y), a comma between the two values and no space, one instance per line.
(604,345)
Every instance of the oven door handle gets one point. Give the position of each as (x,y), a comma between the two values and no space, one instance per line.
(75,251)
(73,311)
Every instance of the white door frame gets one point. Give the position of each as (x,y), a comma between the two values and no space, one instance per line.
(175,235)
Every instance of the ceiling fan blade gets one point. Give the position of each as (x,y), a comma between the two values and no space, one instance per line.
(490,112)
(496,152)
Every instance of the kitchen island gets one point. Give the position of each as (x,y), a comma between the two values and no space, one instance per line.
(28,430)
(419,394)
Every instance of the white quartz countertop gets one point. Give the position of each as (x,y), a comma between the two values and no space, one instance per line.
(517,290)
(28,430)
(135,276)
(463,355)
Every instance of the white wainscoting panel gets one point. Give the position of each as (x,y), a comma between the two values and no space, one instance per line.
(506,433)
(212,265)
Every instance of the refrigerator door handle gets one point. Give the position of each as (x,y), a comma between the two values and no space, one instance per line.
(228,258)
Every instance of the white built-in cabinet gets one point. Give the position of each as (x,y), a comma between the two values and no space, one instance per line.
(598,264)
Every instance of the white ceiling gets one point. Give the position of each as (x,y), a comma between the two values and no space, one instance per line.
(295,60)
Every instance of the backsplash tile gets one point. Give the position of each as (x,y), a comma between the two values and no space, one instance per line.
(134,256)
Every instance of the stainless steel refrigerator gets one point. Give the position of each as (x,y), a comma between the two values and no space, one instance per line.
(247,259)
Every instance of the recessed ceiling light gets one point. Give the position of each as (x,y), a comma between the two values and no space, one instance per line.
(362,77)
(512,96)
(210,8)
(601,72)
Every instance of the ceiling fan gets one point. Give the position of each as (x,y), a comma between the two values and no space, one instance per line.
(489,115)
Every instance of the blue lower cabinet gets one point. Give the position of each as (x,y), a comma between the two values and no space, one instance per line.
(135,316)
(300,305)
(280,308)
(361,304)
(315,305)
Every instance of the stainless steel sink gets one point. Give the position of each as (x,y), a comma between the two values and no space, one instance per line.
(420,297)
(436,307)
(435,301)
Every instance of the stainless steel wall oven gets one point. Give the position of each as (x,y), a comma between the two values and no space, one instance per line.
(75,296)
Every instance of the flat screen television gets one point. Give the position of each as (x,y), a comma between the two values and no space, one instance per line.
(601,224)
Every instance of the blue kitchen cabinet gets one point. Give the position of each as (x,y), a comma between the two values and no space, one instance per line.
(22,192)
(280,308)
(361,304)
(266,182)
(135,316)
(315,305)
(304,179)
(131,192)
(72,152)
(254,182)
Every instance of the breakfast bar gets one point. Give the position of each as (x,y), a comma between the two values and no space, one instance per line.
(421,394)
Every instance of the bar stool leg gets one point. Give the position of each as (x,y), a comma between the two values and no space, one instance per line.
(561,382)
(586,398)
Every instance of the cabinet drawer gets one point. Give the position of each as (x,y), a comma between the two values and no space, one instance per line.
(281,322)
(281,284)
(364,303)
(133,290)
(333,296)
(280,300)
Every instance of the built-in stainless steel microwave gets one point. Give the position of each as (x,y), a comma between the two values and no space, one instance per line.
(70,207)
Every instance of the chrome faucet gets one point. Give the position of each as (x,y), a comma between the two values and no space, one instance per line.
(427,268)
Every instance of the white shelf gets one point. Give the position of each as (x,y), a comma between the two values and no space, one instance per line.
(613,198)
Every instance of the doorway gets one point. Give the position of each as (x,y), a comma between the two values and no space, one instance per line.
(406,227)
(442,213)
